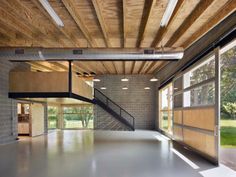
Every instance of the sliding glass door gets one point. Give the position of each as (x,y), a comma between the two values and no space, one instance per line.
(196,107)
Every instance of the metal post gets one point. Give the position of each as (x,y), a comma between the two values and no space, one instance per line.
(70,76)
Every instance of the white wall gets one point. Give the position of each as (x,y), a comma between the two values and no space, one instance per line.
(37,115)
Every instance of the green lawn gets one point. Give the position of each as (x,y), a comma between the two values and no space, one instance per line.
(228,133)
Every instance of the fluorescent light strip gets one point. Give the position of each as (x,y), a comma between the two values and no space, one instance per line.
(193,165)
(51,12)
(168,12)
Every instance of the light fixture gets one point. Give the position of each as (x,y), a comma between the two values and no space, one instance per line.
(168,12)
(124,79)
(96,80)
(175,88)
(147,88)
(51,12)
(124,88)
(153,79)
(103,88)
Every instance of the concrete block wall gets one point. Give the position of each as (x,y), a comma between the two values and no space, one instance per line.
(8,107)
(105,121)
(138,102)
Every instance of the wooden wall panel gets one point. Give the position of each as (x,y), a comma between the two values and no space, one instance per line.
(80,87)
(201,118)
(178,116)
(200,141)
(38,82)
(178,135)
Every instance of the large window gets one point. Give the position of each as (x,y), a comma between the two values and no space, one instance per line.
(199,84)
(52,117)
(165,108)
(78,117)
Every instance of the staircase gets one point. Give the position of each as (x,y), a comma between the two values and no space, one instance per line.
(124,120)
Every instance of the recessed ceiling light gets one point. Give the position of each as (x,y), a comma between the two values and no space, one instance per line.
(125,79)
(147,88)
(153,79)
(96,80)
(51,12)
(125,88)
(168,12)
(103,88)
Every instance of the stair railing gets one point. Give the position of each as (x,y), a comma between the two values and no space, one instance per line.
(98,95)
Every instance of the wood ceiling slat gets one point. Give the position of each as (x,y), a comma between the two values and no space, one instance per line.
(200,8)
(147,10)
(71,7)
(62,30)
(26,16)
(96,4)
(222,13)
(124,12)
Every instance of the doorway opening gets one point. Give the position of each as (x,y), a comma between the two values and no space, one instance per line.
(78,116)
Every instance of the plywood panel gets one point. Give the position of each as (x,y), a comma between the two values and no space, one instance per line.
(178,135)
(178,116)
(38,82)
(80,87)
(200,141)
(201,118)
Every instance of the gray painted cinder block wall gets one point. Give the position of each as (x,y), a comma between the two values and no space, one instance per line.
(138,102)
(8,107)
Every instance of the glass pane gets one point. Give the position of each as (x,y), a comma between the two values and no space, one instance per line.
(202,72)
(178,84)
(52,117)
(178,101)
(78,117)
(203,95)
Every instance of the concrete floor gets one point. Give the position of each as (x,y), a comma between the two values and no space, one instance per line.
(73,153)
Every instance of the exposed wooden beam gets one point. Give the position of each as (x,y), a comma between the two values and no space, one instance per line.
(124,3)
(161,66)
(97,7)
(141,67)
(10,21)
(105,67)
(113,63)
(23,14)
(123,65)
(132,68)
(151,66)
(163,30)
(62,30)
(147,11)
(7,32)
(195,14)
(222,13)
(71,8)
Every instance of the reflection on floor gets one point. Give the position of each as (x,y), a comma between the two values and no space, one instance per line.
(77,153)
(228,157)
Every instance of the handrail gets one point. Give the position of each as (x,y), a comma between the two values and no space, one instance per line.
(109,100)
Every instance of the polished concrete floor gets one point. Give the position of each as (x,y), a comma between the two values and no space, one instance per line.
(72,153)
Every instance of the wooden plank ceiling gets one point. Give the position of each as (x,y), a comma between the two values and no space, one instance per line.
(108,24)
